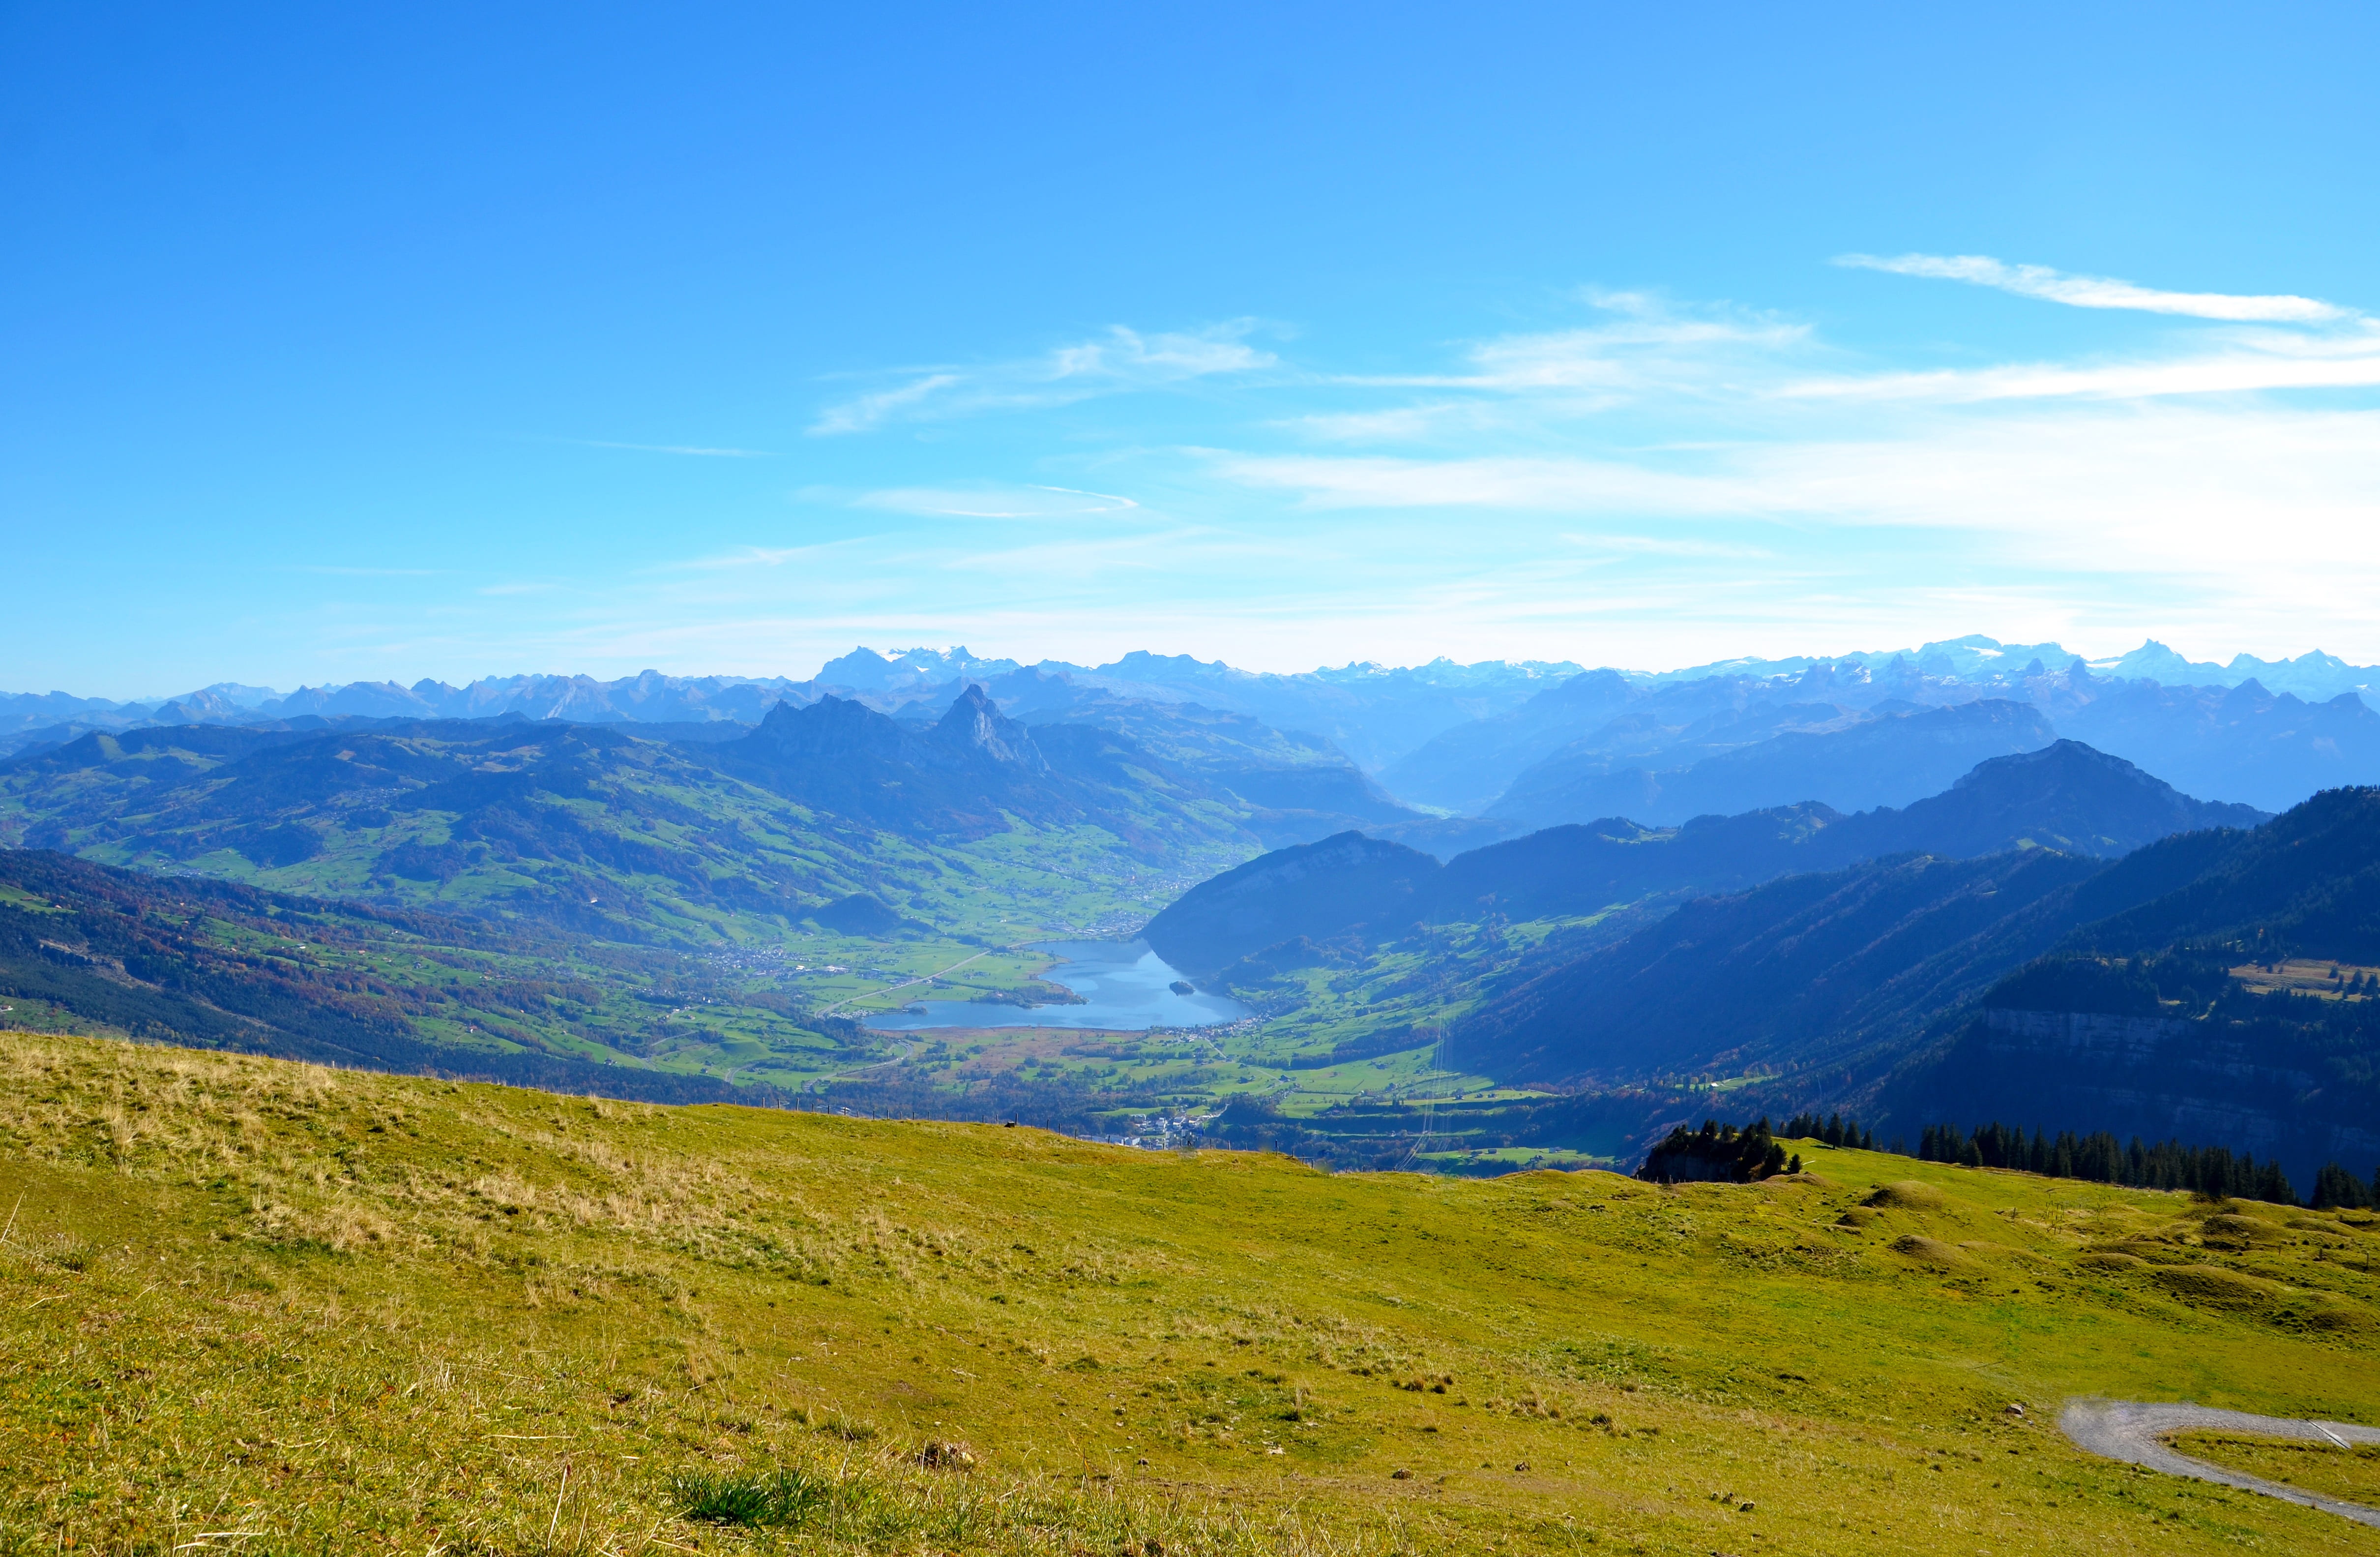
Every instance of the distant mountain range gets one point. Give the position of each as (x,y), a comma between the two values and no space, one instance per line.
(1452,737)
(1602,744)
(974,766)
(1370,712)
(1922,886)
(2066,798)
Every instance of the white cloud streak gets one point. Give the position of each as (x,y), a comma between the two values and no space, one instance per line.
(2092,291)
(2245,365)
(1121,361)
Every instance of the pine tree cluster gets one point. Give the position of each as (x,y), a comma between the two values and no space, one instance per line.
(2334,1188)
(2205,1170)
(1835,1130)
(1717,1153)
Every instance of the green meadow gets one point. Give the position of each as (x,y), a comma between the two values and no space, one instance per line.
(251,1306)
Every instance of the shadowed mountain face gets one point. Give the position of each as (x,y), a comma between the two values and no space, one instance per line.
(2185,990)
(1308,891)
(2306,883)
(2066,797)
(956,777)
(2141,1021)
(1809,965)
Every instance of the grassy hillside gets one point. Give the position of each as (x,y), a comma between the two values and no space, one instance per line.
(250,1305)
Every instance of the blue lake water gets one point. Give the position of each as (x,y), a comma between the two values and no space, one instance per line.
(1123,984)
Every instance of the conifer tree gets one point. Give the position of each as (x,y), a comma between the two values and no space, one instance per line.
(2334,1188)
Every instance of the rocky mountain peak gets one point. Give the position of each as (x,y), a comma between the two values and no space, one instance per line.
(974,725)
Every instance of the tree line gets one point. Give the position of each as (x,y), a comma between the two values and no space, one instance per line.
(1835,1131)
(2100,1158)
(1727,1153)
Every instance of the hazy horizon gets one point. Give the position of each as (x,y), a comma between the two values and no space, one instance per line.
(894,653)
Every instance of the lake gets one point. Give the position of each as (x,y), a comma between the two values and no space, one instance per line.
(1123,984)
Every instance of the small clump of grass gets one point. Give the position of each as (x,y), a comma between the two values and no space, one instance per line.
(775,1500)
(851,1429)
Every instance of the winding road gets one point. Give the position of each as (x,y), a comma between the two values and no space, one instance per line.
(2135,1432)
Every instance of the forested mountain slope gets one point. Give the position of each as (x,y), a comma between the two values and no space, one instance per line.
(2222,986)
(2219,986)
(1802,971)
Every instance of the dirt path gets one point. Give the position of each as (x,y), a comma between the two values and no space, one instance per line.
(2135,1431)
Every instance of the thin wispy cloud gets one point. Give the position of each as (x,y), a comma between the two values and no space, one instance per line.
(2092,291)
(1641,343)
(2240,366)
(1121,361)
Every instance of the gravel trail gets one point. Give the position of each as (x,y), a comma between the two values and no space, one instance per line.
(2135,1431)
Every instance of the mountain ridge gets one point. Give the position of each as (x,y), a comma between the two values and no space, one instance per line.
(2079,800)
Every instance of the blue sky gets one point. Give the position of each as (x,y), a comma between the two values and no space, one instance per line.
(362,342)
